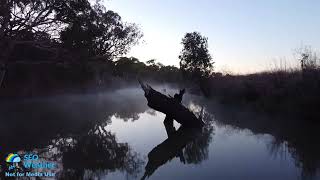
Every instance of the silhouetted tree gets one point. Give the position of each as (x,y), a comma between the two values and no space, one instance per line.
(100,33)
(74,32)
(26,22)
(195,60)
(76,24)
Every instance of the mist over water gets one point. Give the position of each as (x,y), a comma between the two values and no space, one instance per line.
(115,135)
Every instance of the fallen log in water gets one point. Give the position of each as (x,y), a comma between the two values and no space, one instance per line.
(170,106)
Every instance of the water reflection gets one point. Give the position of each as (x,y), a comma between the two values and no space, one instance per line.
(95,154)
(70,128)
(190,145)
(297,137)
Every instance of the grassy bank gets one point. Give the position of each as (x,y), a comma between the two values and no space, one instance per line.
(287,92)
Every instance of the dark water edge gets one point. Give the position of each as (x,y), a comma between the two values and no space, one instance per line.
(299,135)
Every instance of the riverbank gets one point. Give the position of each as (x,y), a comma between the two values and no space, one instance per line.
(294,93)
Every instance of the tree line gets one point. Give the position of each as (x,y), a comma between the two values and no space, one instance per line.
(76,41)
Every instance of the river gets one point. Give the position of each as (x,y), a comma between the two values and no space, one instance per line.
(115,135)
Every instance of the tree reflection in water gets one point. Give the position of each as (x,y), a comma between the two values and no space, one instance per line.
(95,154)
(69,130)
(90,156)
(298,137)
(190,145)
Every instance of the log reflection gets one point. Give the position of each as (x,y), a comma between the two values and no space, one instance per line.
(190,145)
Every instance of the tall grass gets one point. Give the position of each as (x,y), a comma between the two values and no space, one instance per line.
(282,89)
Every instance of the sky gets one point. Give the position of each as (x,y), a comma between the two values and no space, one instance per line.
(244,35)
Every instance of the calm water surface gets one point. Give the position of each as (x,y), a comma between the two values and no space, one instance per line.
(115,135)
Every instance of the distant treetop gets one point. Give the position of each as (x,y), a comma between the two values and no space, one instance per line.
(195,60)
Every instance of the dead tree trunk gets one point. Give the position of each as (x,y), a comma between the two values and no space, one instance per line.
(171,107)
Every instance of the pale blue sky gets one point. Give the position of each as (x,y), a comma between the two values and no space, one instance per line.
(244,35)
